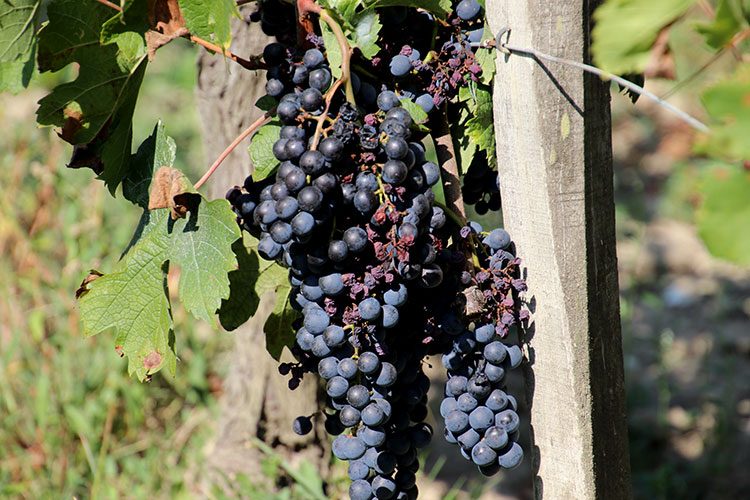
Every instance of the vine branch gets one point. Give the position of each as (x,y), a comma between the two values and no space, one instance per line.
(255,63)
(346,53)
(249,130)
(110,4)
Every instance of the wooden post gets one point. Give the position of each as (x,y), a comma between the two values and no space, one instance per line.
(555,164)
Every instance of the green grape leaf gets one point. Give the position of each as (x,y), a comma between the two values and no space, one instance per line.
(278,327)
(18,23)
(365,34)
(480,127)
(416,111)
(728,20)
(724,213)
(625,30)
(261,150)
(266,103)
(462,141)
(95,110)
(128,26)
(486,59)
(343,8)
(134,299)
(728,104)
(210,19)
(333,52)
(440,7)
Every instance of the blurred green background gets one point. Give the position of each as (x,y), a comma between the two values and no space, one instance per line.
(73,424)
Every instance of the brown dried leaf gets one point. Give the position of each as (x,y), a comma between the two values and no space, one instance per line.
(153,360)
(155,39)
(171,189)
(472,301)
(83,288)
(167,23)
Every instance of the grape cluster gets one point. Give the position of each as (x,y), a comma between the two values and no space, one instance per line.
(350,213)
(479,415)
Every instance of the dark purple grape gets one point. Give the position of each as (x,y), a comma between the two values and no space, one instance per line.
(400,65)
(320,79)
(274,53)
(313,58)
(312,162)
(311,99)
(331,147)
(395,171)
(275,87)
(387,100)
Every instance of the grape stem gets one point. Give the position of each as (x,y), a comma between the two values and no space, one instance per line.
(346,53)
(322,118)
(249,130)
(254,63)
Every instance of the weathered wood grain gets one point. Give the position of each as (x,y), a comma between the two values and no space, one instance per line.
(554,152)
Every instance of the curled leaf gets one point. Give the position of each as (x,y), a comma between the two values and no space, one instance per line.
(171,189)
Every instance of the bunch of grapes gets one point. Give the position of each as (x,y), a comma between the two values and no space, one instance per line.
(479,415)
(351,213)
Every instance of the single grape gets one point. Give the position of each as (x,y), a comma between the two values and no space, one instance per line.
(481,418)
(337,386)
(400,65)
(468,439)
(369,309)
(395,171)
(390,316)
(302,426)
(387,100)
(333,336)
(312,162)
(368,362)
(328,367)
(316,321)
(511,458)
(507,420)
(320,79)
(495,352)
(356,239)
(496,437)
(274,53)
(425,100)
(482,454)
(311,99)
(274,87)
(299,76)
(456,421)
(349,416)
(269,249)
(313,58)
(338,251)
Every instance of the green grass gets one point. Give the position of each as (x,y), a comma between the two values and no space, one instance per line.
(72,422)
